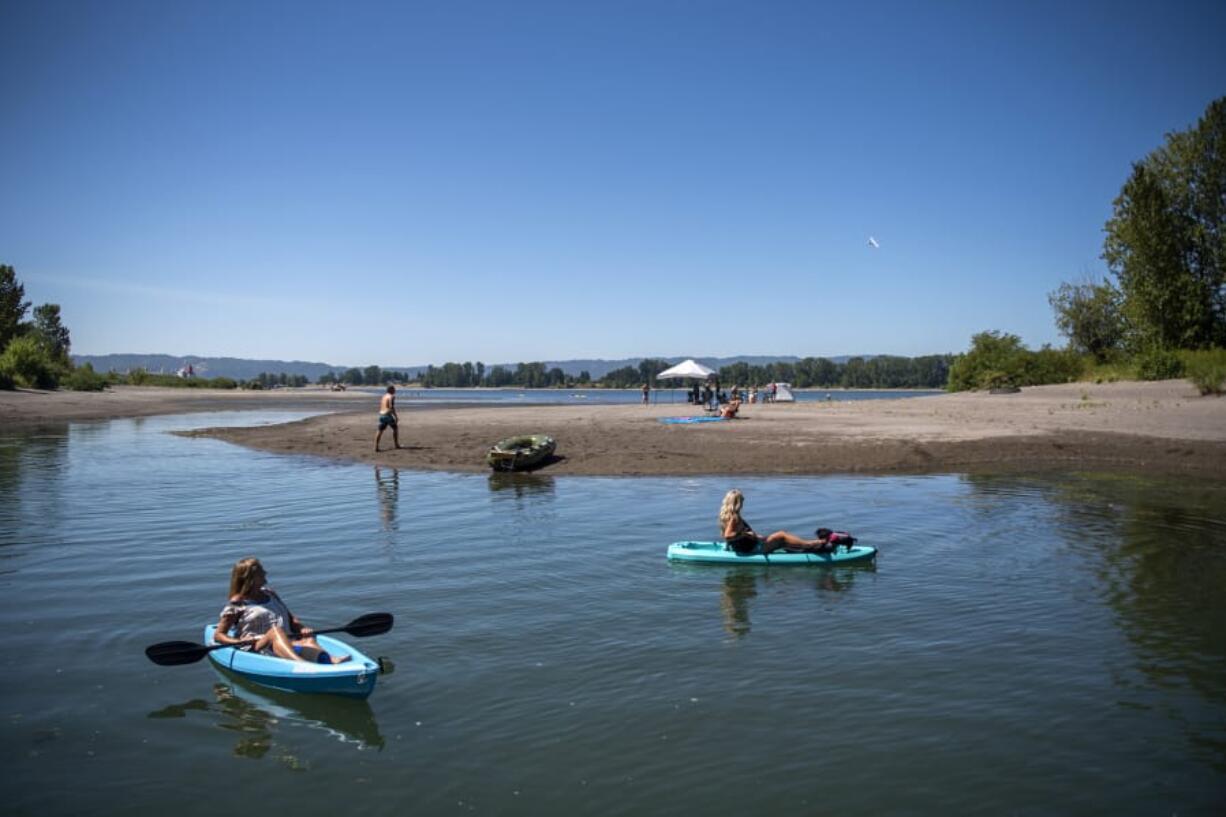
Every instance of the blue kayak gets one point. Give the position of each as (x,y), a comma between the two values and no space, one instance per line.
(719,553)
(354,678)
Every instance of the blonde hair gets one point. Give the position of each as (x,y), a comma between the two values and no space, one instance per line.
(733,500)
(243,576)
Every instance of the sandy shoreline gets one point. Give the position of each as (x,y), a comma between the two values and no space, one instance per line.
(1134,427)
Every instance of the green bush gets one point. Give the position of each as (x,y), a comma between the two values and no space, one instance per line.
(1207,370)
(994,361)
(1050,365)
(1159,364)
(27,362)
(6,382)
(84,378)
(999,360)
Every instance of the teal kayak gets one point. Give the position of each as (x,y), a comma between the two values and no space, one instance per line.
(354,678)
(719,553)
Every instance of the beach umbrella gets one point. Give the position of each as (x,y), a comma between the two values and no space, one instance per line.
(687,368)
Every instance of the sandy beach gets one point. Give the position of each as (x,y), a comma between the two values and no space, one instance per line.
(1163,427)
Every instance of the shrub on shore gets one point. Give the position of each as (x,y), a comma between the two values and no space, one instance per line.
(26,362)
(1159,364)
(140,377)
(84,378)
(999,360)
(1207,370)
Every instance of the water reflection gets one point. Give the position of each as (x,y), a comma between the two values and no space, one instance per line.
(256,713)
(1160,563)
(387,488)
(740,584)
(521,485)
(32,470)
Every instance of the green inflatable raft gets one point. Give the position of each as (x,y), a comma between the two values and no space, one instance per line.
(520,453)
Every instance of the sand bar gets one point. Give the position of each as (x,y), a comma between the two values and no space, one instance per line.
(1163,427)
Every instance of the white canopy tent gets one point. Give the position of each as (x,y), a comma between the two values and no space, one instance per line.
(687,368)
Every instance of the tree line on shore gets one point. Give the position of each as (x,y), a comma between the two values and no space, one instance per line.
(879,372)
(1160,312)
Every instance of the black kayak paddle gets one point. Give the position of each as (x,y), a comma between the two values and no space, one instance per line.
(174,653)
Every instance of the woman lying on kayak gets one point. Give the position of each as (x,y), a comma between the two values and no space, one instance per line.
(256,611)
(741,538)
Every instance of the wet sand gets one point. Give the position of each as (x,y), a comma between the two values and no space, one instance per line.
(1163,427)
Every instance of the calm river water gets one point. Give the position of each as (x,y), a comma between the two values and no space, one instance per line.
(1023,645)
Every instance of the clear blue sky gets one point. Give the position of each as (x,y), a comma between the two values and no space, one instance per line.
(408,183)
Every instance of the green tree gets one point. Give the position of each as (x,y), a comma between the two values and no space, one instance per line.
(499,377)
(995,359)
(623,378)
(1089,315)
(12,306)
(1166,239)
(51,332)
(28,362)
(648,368)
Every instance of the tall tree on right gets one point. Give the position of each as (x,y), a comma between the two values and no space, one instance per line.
(1166,240)
(13,305)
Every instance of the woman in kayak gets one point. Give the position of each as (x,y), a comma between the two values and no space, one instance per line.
(256,612)
(742,539)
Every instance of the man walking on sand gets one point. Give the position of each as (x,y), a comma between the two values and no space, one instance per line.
(388,417)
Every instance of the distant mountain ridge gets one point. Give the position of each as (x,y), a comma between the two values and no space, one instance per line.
(247,368)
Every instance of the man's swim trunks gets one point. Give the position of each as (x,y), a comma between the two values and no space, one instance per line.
(386,420)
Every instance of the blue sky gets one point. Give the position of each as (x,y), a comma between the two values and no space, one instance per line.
(409,183)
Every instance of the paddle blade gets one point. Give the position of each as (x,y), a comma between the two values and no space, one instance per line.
(370,624)
(174,653)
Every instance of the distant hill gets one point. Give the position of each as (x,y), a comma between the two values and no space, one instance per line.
(235,367)
(246,369)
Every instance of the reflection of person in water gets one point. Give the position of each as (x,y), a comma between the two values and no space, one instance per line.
(829,582)
(250,721)
(388,485)
(739,587)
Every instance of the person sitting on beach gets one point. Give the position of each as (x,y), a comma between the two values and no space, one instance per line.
(388,417)
(729,409)
(742,539)
(255,611)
